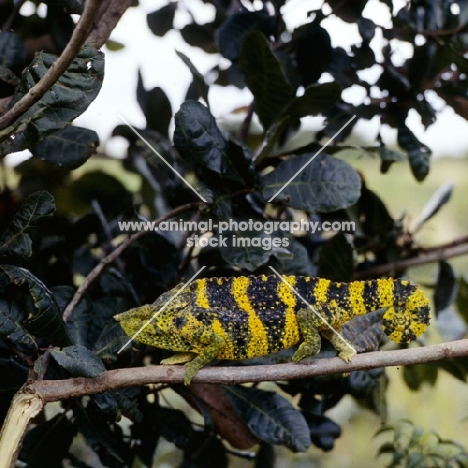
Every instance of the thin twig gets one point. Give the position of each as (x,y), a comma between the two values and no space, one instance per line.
(56,390)
(97,270)
(435,255)
(80,33)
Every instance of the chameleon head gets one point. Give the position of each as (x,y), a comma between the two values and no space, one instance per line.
(405,321)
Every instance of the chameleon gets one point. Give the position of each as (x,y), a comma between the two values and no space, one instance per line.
(243,317)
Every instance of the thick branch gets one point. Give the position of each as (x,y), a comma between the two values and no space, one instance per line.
(97,270)
(80,33)
(56,390)
(433,255)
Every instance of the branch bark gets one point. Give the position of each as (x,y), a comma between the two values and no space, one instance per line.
(79,36)
(106,20)
(430,256)
(56,390)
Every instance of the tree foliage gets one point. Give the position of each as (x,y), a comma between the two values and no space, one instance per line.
(56,225)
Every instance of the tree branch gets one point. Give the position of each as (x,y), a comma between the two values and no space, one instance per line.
(429,256)
(80,33)
(97,270)
(56,390)
(109,15)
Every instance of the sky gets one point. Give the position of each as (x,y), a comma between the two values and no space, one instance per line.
(160,66)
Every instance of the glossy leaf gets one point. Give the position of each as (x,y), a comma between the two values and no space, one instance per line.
(270,417)
(70,147)
(264,77)
(79,361)
(324,184)
(419,154)
(68,98)
(16,240)
(11,323)
(440,197)
(200,142)
(46,322)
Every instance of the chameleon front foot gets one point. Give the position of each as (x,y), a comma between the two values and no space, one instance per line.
(179,358)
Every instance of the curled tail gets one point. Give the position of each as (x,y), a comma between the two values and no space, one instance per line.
(407,314)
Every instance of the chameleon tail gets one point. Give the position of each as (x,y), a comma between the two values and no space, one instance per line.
(407,316)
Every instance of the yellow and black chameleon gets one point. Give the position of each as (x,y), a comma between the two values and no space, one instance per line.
(245,317)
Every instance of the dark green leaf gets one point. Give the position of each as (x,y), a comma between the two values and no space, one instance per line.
(336,261)
(160,21)
(200,142)
(12,52)
(198,35)
(198,80)
(70,147)
(446,289)
(120,402)
(324,184)
(440,197)
(233,31)
(156,107)
(462,298)
(416,374)
(316,99)
(60,25)
(79,361)
(418,153)
(16,241)
(270,417)
(388,157)
(264,77)
(11,323)
(68,98)
(48,443)
(299,262)
(80,320)
(250,249)
(110,341)
(175,427)
(46,322)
